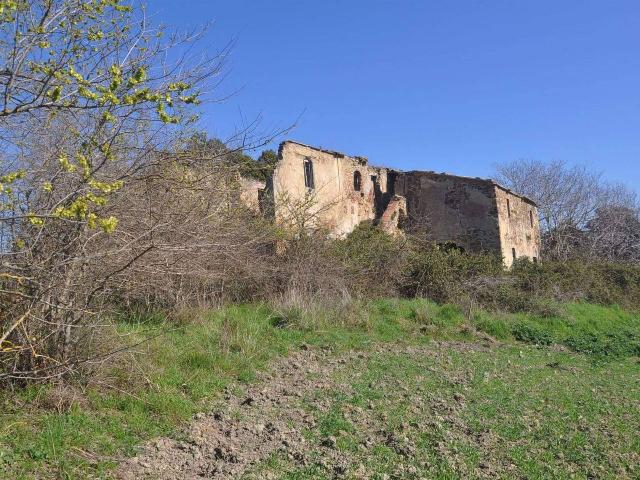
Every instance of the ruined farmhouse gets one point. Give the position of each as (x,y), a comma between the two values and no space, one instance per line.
(341,191)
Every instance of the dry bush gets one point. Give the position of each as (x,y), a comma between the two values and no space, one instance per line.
(193,241)
(81,115)
(375,262)
(313,313)
(443,274)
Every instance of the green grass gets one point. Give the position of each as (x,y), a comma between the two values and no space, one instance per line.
(603,332)
(466,412)
(165,381)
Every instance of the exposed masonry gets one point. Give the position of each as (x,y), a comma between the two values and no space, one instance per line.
(340,191)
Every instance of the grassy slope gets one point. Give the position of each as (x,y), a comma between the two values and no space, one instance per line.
(461,413)
(175,375)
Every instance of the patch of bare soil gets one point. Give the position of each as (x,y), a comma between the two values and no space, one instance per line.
(251,422)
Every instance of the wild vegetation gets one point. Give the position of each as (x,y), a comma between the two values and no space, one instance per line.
(135,284)
(76,430)
(111,203)
(97,106)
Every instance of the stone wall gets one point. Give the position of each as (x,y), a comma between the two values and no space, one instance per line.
(452,209)
(394,216)
(519,226)
(337,192)
(334,201)
(250,191)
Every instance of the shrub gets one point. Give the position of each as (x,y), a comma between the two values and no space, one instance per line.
(374,260)
(422,314)
(529,332)
(441,274)
(289,316)
(449,315)
(596,282)
(613,344)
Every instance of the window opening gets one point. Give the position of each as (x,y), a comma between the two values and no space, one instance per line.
(357,181)
(308,173)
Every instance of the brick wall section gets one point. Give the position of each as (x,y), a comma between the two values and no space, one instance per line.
(454,209)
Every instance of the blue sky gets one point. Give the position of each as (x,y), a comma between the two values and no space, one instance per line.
(450,86)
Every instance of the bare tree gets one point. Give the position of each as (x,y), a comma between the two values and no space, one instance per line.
(614,234)
(185,237)
(569,199)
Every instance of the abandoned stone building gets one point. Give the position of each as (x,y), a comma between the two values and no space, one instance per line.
(338,192)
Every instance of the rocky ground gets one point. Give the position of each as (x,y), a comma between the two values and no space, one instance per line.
(249,425)
(388,412)
(253,423)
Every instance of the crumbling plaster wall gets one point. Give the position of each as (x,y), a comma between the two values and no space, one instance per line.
(519,226)
(333,203)
(452,209)
(394,216)
(473,213)
(250,191)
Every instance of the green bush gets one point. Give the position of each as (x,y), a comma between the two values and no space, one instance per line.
(442,274)
(601,283)
(449,315)
(451,276)
(373,259)
(531,333)
(599,331)
(614,344)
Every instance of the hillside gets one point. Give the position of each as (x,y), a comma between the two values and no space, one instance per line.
(387,389)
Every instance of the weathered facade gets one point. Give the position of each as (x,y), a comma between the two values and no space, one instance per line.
(250,192)
(519,226)
(329,189)
(475,214)
(335,191)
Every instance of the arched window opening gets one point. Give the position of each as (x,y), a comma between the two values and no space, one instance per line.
(531,217)
(357,181)
(508,208)
(308,173)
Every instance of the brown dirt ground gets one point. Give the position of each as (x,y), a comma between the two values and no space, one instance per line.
(251,422)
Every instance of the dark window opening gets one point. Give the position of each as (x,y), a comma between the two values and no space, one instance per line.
(378,197)
(535,260)
(357,181)
(508,208)
(308,174)
(513,252)
(531,217)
